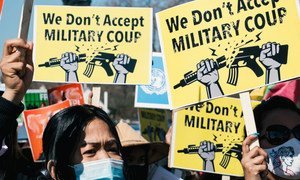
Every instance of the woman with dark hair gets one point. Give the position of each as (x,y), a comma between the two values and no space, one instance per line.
(278,123)
(81,142)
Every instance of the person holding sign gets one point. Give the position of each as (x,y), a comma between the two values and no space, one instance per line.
(81,142)
(278,123)
(17,72)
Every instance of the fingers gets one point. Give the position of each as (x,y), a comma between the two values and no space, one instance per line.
(206,66)
(168,136)
(258,160)
(253,161)
(63,61)
(29,54)
(206,146)
(10,45)
(273,49)
(201,66)
(270,49)
(68,58)
(14,57)
(256,151)
(253,169)
(265,49)
(277,48)
(14,68)
(247,142)
(269,46)
(122,59)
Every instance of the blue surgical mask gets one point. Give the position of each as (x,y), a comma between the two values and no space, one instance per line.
(104,169)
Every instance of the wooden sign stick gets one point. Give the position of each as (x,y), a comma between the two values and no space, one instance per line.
(248,116)
(25,19)
(96,96)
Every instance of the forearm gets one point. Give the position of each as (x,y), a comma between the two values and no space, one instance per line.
(15,98)
(272,75)
(120,78)
(214,90)
(71,76)
(209,166)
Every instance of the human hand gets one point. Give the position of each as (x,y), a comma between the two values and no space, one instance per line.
(69,62)
(17,69)
(207,150)
(254,160)
(119,62)
(168,136)
(269,50)
(207,74)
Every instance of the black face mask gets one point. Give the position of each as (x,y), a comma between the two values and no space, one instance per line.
(137,172)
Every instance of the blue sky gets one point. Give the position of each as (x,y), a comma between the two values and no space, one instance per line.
(9,24)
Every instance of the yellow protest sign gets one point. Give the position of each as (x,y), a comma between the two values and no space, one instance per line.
(110,45)
(153,124)
(208,137)
(225,47)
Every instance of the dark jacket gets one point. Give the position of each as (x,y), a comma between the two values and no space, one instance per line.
(13,165)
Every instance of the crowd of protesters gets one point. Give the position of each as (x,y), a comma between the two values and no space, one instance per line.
(82,142)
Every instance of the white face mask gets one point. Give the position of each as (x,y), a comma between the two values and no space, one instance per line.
(105,169)
(284,160)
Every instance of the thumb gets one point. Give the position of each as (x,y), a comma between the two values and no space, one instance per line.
(266,51)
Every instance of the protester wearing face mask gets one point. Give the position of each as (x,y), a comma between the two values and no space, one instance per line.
(81,142)
(278,123)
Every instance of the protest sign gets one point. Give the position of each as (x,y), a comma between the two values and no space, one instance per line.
(1,7)
(110,45)
(35,123)
(217,48)
(154,95)
(154,124)
(72,92)
(208,137)
(35,98)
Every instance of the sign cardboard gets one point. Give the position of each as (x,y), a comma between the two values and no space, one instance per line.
(35,98)
(153,124)
(35,123)
(72,92)
(217,48)
(154,95)
(100,45)
(208,137)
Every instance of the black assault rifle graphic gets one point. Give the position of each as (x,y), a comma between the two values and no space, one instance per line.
(102,59)
(53,62)
(247,57)
(235,152)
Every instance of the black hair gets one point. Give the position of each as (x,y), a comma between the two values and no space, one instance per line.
(63,132)
(266,106)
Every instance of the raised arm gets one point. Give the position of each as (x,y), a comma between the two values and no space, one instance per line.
(17,72)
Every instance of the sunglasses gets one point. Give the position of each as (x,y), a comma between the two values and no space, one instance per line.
(279,134)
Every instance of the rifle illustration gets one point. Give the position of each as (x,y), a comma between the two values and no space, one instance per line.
(247,57)
(104,60)
(53,62)
(235,152)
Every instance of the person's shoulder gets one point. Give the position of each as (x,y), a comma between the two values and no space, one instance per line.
(27,169)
